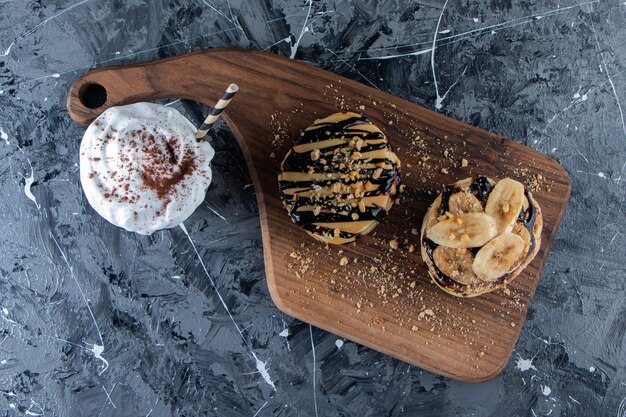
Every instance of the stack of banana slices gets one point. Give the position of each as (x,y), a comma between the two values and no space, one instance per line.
(479,234)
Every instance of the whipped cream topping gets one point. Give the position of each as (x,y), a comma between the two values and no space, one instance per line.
(142,169)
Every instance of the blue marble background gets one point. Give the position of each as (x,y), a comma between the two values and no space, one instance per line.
(98,322)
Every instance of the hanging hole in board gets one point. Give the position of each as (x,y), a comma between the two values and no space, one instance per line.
(92,95)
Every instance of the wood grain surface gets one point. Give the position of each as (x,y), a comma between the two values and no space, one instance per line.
(383,298)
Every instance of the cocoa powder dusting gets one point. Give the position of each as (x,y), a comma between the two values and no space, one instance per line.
(164,164)
(163,172)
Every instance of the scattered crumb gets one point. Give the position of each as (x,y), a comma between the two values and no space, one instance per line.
(393,283)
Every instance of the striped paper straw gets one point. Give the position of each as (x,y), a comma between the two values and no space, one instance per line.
(217,111)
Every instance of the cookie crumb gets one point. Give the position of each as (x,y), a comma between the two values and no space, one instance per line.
(343,261)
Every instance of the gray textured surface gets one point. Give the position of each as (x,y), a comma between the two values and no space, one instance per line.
(548,74)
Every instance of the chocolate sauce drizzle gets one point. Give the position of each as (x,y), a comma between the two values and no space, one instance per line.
(348,171)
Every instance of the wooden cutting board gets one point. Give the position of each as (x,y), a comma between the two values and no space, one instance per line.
(383,298)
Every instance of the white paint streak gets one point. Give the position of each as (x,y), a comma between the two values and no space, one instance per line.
(577,99)
(217,214)
(621,411)
(383,58)
(4,136)
(287,39)
(339,343)
(285,334)
(439,99)
(353,68)
(156,48)
(171,103)
(524,364)
(97,350)
(477,32)
(294,47)
(259,410)
(216,10)
(606,68)
(108,394)
(573,399)
(262,368)
(260,365)
(314,365)
(34,29)
(28,183)
(30,412)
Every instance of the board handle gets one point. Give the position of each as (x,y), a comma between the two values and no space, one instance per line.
(200,76)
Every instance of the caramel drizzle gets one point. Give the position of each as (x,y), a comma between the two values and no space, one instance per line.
(340,177)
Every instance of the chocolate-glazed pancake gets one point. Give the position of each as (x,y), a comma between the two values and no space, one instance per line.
(479,234)
(340,178)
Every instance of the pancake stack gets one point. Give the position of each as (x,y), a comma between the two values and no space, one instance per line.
(340,178)
(479,234)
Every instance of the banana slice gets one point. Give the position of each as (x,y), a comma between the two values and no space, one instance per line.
(464,202)
(520,230)
(498,257)
(466,231)
(505,203)
(456,263)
